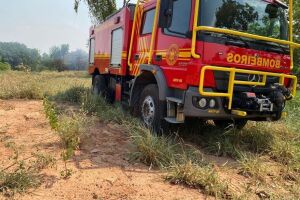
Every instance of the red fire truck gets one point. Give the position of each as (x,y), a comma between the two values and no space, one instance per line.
(228,61)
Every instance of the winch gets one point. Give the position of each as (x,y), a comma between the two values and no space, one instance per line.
(271,99)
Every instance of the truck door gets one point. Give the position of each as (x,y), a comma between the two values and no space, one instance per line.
(173,48)
(142,38)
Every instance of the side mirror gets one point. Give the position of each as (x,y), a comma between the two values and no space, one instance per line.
(272,10)
(166,13)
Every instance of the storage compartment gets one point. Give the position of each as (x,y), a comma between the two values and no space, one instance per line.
(117,46)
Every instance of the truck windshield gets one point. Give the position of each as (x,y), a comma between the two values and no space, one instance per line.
(255,16)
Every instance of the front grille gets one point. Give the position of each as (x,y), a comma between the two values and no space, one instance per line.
(222,79)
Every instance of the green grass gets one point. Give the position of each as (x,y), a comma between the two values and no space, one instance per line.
(293,109)
(253,166)
(152,149)
(74,94)
(97,106)
(197,176)
(277,141)
(183,163)
(254,147)
(4,66)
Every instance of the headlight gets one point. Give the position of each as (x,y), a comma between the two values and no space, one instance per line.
(212,103)
(202,103)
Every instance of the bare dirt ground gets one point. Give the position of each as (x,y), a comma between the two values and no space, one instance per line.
(100,169)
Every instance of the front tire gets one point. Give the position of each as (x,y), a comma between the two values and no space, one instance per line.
(149,108)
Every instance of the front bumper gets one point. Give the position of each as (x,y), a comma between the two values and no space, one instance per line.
(219,112)
(232,82)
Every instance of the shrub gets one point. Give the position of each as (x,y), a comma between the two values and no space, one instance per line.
(43,161)
(22,176)
(18,181)
(73,94)
(70,130)
(29,91)
(23,68)
(51,113)
(4,66)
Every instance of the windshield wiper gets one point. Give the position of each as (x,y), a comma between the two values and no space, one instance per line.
(281,49)
(236,41)
(231,40)
(240,42)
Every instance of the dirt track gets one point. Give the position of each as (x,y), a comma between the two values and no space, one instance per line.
(100,168)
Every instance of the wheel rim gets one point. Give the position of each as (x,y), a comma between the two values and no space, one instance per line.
(95,87)
(148,110)
(95,90)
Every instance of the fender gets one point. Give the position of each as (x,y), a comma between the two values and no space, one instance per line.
(149,74)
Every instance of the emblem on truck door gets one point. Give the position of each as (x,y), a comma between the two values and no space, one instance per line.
(172,54)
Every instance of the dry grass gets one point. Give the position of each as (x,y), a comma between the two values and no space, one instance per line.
(23,85)
(182,162)
(277,141)
(253,166)
(255,147)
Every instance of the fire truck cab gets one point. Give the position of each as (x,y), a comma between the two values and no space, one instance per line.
(224,60)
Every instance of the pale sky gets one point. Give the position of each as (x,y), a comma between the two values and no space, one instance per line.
(42,24)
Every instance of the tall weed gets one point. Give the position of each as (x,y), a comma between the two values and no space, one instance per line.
(24,85)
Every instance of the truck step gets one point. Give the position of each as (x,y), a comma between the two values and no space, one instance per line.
(173,120)
(175,100)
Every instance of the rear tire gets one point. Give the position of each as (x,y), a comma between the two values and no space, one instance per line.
(99,85)
(149,108)
(226,124)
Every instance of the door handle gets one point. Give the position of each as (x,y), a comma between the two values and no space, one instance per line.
(136,56)
(158,58)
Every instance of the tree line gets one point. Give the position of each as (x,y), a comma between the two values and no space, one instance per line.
(17,56)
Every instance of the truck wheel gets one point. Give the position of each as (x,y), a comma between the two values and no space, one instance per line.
(99,85)
(149,107)
(237,123)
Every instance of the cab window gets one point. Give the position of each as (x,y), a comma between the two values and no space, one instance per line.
(181,18)
(92,50)
(148,22)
